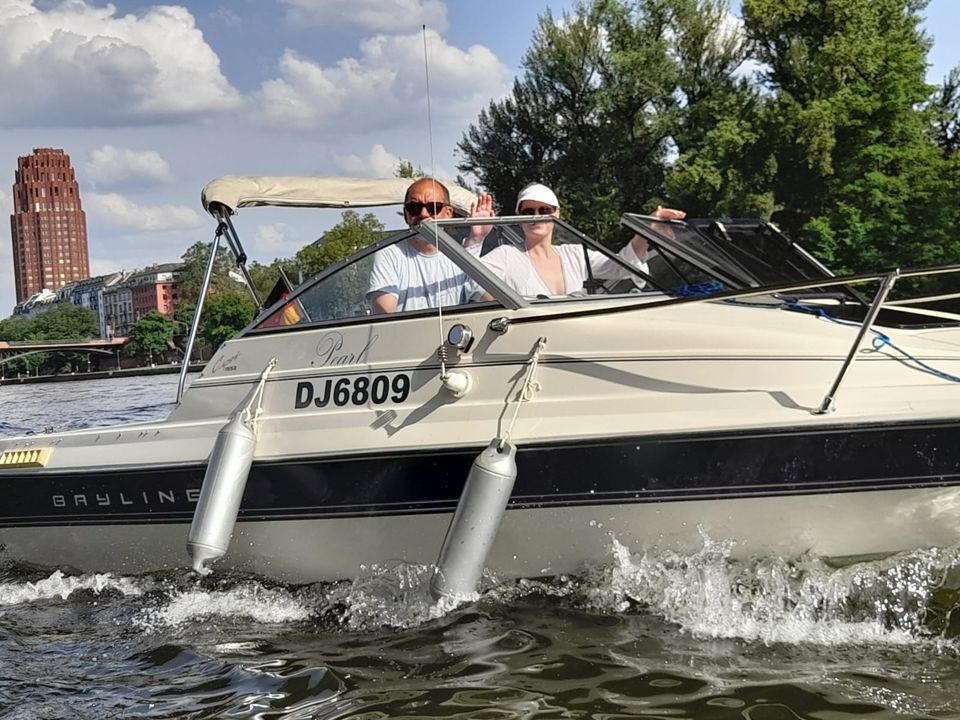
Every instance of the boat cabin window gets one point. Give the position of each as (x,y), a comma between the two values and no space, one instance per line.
(465,265)
(401,274)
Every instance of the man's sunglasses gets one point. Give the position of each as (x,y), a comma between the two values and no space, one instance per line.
(542,210)
(413,209)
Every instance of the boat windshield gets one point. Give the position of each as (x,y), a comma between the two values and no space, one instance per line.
(543,259)
(400,274)
(465,265)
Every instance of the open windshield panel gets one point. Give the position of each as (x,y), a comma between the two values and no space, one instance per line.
(399,275)
(541,259)
(689,262)
(762,250)
(733,253)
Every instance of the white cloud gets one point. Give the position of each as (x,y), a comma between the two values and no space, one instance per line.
(111,166)
(8,291)
(122,212)
(103,267)
(227,17)
(379,162)
(373,15)
(383,89)
(76,64)
(276,240)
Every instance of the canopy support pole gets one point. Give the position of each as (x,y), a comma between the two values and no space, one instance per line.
(195,325)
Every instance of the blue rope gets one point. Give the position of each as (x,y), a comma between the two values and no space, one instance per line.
(705,288)
(879,340)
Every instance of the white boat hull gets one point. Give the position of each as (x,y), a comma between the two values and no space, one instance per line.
(531,542)
(699,424)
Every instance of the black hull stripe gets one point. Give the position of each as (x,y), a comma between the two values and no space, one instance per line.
(630,470)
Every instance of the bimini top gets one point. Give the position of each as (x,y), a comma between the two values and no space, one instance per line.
(320,192)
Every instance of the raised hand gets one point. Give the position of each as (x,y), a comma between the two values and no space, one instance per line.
(640,243)
(668,213)
(481,207)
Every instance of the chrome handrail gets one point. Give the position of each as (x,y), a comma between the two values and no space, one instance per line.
(828,400)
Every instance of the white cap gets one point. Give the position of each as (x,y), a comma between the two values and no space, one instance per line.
(540,193)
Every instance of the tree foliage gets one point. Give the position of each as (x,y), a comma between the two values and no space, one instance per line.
(353,232)
(265,276)
(195,260)
(853,145)
(946,109)
(152,334)
(607,93)
(815,114)
(63,322)
(224,314)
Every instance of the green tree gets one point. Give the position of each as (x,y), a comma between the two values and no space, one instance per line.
(62,322)
(23,329)
(609,93)
(724,165)
(857,169)
(946,108)
(195,259)
(405,169)
(265,276)
(224,314)
(16,329)
(625,104)
(152,334)
(353,232)
(551,126)
(66,321)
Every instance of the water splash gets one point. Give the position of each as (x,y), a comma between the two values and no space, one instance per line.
(774,599)
(396,596)
(249,600)
(900,600)
(61,586)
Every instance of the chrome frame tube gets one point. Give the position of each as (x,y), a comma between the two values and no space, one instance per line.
(195,325)
(233,241)
(885,287)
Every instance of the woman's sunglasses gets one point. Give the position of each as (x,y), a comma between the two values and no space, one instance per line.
(542,210)
(413,209)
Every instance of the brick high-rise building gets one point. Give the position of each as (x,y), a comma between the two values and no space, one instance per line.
(48,226)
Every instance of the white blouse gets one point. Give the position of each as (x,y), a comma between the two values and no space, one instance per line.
(515,268)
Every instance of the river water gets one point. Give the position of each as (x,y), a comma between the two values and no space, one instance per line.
(699,636)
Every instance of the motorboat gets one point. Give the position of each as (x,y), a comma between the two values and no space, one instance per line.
(730,387)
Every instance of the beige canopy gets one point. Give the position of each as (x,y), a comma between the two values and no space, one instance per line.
(319,192)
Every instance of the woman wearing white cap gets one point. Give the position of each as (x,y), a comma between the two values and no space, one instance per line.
(541,268)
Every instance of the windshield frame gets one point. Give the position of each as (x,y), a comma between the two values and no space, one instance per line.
(393,238)
(463,257)
(436,233)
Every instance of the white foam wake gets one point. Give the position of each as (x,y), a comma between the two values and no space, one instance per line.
(773,599)
(62,586)
(248,600)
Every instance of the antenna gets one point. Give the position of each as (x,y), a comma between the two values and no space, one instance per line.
(433,174)
(426,73)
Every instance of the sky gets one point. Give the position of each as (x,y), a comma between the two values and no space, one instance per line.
(153,101)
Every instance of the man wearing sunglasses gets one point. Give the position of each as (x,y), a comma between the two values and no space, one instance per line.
(412,274)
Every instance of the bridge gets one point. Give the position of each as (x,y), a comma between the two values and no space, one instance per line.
(17,349)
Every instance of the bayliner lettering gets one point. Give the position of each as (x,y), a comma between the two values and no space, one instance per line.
(121,499)
(357,390)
